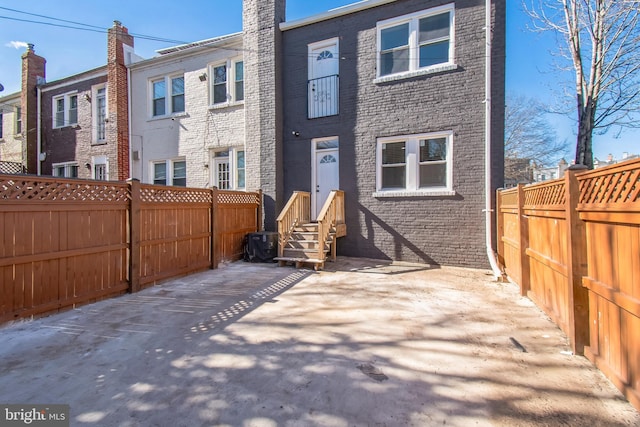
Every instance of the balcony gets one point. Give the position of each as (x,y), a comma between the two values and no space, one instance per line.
(323,97)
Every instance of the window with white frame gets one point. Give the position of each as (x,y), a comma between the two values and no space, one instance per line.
(65,170)
(167,95)
(228,170)
(100,168)
(414,164)
(65,110)
(18,121)
(169,172)
(1,124)
(415,42)
(99,104)
(227,82)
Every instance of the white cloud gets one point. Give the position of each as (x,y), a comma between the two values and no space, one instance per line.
(16,45)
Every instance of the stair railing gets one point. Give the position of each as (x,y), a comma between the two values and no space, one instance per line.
(297,211)
(332,213)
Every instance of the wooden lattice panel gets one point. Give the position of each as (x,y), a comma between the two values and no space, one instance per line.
(237,197)
(550,193)
(55,189)
(162,194)
(613,185)
(509,197)
(14,168)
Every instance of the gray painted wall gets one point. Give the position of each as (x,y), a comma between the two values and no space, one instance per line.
(447,230)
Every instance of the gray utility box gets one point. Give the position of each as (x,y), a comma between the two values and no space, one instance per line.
(261,246)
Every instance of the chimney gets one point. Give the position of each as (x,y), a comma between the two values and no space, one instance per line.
(33,73)
(118,39)
(262,46)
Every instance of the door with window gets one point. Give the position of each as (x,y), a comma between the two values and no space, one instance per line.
(326,176)
(323,78)
(221,170)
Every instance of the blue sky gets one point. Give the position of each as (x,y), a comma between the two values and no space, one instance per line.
(69,51)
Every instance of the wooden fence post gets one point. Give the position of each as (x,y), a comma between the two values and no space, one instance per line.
(259,226)
(134,235)
(577,260)
(500,230)
(523,244)
(214,222)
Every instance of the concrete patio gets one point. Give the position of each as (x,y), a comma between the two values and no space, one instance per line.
(362,343)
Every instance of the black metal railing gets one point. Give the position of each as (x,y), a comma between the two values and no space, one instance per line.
(323,97)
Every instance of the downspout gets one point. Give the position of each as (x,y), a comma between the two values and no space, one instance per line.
(129,122)
(38,134)
(488,209)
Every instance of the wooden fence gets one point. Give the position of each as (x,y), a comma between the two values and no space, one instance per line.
(573,246)
(69,242)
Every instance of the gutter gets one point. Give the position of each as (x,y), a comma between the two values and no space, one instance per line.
(488,209)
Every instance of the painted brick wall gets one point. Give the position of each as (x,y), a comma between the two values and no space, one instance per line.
(10,143)
(437,230)
(263,102)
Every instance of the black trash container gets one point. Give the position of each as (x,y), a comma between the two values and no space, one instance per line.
(261,246)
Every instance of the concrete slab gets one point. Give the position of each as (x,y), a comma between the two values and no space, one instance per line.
(362,343)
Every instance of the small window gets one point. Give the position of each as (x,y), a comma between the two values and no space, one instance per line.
(65,170)
(227,82)
(170,172)
(18,127)
(159,98)
(240,170)
(393,165)
(415,42)
(239,79)
(220,84)
(177,94)
(160,173)
(101,114)
(180,173)
(65,109)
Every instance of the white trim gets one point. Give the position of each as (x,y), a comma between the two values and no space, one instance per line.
(333,13)
(230,64)
(169,169)
(413,20)
(412,166)
(66,98)
(168,95)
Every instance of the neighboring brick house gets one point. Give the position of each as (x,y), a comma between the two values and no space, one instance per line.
(187,113)
(385,100)
(84,118)
(11,139)
(75,127)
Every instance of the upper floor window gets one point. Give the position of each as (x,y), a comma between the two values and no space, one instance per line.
(18,122)
(99,114)
(167,95)
(415,42)
(227,82)
(1,124)
(65,109)
(416,164)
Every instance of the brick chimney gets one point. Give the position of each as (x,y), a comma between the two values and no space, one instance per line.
(33,73)
(118,37)
(262,41)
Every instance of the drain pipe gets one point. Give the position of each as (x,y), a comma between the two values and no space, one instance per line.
(488,209)
(38,131)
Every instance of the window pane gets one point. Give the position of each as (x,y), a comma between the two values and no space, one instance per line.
(395,61)
(177,86)
(177,103)
(59,119)
(160,173)
(73,110)
(241,183)
(159,90)
(177,94)
(239,91)
(393,177)
(1,125)
(433,149)
(219,93)
(435,53)
(240,159)
(102,114)
(393,153)
(239,81)
(393,37)
(73,171)
(433,175)
(180,173)
(60,105)
(158,107)
(220,74)
(434,27)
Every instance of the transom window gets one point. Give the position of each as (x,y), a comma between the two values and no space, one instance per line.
(167,96)
(414,163)
(65,109)
(227,82)
(416,41)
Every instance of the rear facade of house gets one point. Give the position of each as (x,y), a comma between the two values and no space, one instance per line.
(386,101)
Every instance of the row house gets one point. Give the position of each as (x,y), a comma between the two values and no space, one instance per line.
(11,138)
(187,109)
(75,127)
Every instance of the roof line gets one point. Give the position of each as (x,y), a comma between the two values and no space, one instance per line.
(333,13)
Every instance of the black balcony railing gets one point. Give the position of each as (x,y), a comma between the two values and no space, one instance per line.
(323,97)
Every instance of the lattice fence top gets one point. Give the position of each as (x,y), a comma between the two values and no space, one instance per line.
(509,197)
(162,194)
(617,185)
(56,189)
(15,168)
(549,193)
(237,197)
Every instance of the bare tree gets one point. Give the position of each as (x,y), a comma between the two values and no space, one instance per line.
(603,47)
(529,139)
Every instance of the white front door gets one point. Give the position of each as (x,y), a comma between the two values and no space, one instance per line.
(326,172)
